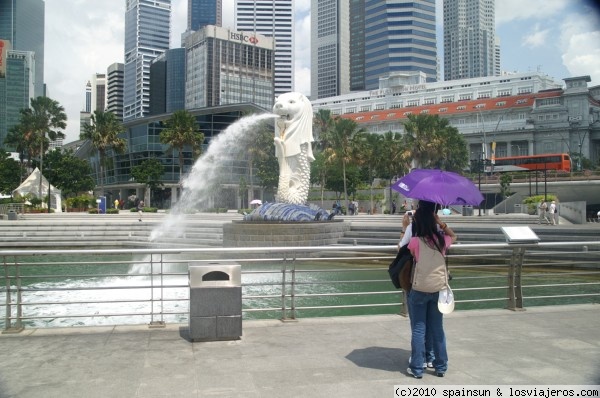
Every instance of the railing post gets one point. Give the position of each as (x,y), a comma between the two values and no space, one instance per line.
(153,323)
(283,289)
(8,327)
(515,286)
(293,292)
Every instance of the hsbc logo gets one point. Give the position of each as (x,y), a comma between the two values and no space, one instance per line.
(243,38)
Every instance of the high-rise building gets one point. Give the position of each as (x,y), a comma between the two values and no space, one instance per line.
(147,35)
(88,97)
(330,48)
(400,36)
(272,18)
(357,49)
(226,67)
(98,92)
(114,90)
(16,87)
(469,39)
(167,82)
(22,23)
(204,12)
(354,43)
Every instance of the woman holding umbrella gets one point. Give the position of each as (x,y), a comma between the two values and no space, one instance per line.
(428,247)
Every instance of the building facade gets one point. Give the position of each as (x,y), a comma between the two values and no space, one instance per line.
(275,19)
(16,87)
(519,114)
(114,89)
(98,92)
(204,12)
(167,82)
(22,23)
(227,67)
(147,35)
(400,36)
(330,48)
(469,39)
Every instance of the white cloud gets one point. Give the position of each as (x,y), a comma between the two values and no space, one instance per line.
(580,45)
(510,10)
(537,38)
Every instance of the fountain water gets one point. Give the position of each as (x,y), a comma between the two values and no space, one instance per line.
(292,142)
(198,185)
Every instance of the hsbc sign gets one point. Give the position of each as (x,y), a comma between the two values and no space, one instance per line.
(243,38)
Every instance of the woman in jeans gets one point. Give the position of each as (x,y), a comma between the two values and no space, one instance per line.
(425,318)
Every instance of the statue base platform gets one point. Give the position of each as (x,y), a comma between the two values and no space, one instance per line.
(279,233)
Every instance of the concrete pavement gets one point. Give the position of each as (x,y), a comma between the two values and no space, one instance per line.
(363,356)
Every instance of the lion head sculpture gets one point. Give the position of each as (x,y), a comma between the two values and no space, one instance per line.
(294,126)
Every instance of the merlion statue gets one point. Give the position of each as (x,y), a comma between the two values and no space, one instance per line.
(293,147)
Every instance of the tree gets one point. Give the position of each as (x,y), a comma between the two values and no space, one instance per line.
(259,150)
(103,132)
(9,173)
(182,130)
(367,153)
(149,172)
(16,139)
(40,123)
(340,142)
(431,142)
(70,174)
(264,160)
(392,164)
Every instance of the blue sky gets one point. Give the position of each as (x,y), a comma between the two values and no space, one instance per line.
(561,38)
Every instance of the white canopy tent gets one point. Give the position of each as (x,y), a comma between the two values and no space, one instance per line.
(32,186)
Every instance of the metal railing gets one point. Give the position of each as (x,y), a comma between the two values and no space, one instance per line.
(49,288)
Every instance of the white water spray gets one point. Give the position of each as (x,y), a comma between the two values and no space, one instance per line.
(199,184)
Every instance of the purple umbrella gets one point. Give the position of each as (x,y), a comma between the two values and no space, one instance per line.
(443,187)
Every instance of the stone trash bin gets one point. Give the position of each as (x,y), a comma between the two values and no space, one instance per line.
(215,301)
(12,215)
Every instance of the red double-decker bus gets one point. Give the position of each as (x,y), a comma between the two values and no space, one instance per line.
(551,161)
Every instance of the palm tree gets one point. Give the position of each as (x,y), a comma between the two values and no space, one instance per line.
(323,124)
(424,143)
(45,116)
(16,139)
(103,132)
(393,164)
(367,152)
(181,130)
(342,139)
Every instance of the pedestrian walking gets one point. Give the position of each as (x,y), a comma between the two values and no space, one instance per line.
(140,209)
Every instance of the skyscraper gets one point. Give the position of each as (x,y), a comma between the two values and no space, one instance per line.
(272,18)
(114,90)
(147,35)
(22,23)
(204,12)
(354,43)
(330,48)
(400,36)
(16,86)
(98,93)
(469,39)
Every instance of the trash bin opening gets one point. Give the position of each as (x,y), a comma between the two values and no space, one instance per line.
(215,276)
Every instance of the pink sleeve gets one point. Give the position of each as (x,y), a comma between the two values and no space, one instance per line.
(413,246)
(448,243)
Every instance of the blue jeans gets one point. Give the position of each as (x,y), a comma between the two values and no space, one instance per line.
(426,319)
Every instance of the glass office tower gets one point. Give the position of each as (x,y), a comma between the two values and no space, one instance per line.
(147,35)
